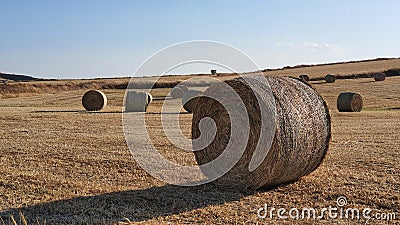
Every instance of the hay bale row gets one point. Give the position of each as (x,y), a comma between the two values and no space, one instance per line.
(330,78)
(94,100)
(349,102)
(137,101)
(302,122)
(377,76)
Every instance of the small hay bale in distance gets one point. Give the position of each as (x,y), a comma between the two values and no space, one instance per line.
(94,100)
(330,78)
(379,76)
(213,71)
(349,102)
(149,98)
(304,77)
(190,100)
(183,87)
(177,92)
(303,131)
(136,101)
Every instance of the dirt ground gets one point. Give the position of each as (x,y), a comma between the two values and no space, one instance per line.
(61,165)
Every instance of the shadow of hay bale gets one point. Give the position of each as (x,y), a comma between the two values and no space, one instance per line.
(136,205)
(75,111)
(58,111)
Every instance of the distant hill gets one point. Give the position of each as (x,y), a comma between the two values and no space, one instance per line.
(328,64)
(346,70)
(16,77)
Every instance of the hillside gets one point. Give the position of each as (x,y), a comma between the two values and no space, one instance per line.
(316,72)
(17,77)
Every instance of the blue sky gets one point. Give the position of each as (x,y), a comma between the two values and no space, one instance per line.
(98,38)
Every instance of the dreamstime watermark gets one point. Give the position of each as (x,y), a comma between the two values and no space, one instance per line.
(336,212)
(138,134)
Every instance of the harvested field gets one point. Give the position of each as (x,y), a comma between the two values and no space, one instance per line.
(63,165)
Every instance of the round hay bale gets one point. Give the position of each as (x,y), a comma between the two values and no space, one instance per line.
(190,99)
(304,77)
(149,98)
(349,102)
(177,92)
(299,145)
(136,101)
(330,78)
(94,100)
(183,87)
(379,76)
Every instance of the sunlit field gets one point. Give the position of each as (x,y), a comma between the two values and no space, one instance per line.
(63,165)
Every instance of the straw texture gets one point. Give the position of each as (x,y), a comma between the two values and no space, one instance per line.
(301,141)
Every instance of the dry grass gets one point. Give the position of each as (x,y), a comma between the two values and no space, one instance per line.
(64,166)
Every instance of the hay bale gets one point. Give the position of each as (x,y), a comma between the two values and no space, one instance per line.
(379,76)
(330,78)
(304,77)
(349,102)
(299,145)
(183,87)
(136,101)
(94,100)
(213,71)
(177,92)
(149,98)
(190,99)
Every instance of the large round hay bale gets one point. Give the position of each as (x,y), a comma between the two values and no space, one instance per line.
(304,77)
(379,76)
(136,101)
(94,100)
(298,146)
(190,100)
(177,92)
(349,102)
(149,98)
(330,78)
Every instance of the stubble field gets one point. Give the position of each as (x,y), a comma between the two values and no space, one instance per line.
(62,165)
